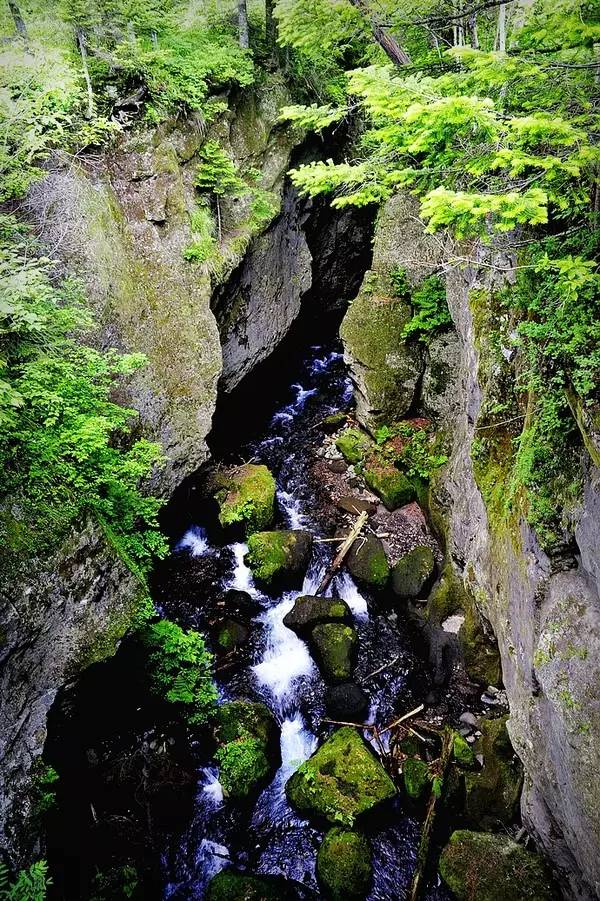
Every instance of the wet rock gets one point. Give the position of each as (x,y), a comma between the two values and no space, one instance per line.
(352,504)
(347,702)
(246,496)
(344,864)
(353,445)
(413,572)
(229,885)
(341,781)
(338,466)
(367,562)
(492,796)
(469,719)
(335,650)
(438,390)
(279,556)
(334,422)
(232,634)
(393,487)
(415,775)
(479,648)
(479,866)
(309,611)
(235,601)
(248,752)
(461,751)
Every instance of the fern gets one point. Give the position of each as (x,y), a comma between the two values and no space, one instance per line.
(30,885)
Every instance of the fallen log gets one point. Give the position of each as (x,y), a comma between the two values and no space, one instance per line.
(423,853)
(341,554)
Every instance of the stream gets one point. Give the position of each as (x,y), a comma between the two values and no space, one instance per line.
(281,673)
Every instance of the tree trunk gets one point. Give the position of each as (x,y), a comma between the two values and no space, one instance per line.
(80,38)
(501,30)
(346,545)
(474,31)
(270,29)
(18,20)
(392,48)
(243,24)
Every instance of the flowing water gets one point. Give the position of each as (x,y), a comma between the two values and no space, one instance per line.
(279,670)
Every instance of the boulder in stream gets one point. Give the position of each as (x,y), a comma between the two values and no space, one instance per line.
(248,752)
(309,611)
(344,864)
(492,796)
(281,556)
(335,649)
(481,866)
(230,885)
(347,702)
(341,781)
(413,572)
(415,775)
(367,562)
(246,496)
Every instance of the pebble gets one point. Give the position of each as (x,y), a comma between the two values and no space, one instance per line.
(479,759)
(468,718)
(471,739)
(498,699)
(464,731)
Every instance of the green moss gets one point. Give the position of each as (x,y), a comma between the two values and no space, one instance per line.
(415,774)
(368,563)
(412,572)
(462,751)
(274,554)
(479,866)
(247,734)
(231,886)
(353,445)
(309,611)
(393,487)
(447,598)
(335,646)
(480,652)
(334,421)
(246,497)
(341,781)
(344,864)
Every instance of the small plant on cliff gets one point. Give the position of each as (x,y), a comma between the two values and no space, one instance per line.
(217,174)
(430,310)
(181,669)
(30,885)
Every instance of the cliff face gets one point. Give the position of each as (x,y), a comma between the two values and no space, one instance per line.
(544,614)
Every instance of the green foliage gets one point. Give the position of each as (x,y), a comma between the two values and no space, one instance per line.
(181,669)
(65,446)
(417,451)
(242,763)
(428,300)
(30,885)
(216,173)
(204,246)
(116,882)
(44,779)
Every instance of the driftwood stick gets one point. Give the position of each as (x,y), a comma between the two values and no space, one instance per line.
(402,719)
(423,852)
(381,668)
(339,559)
(367,726)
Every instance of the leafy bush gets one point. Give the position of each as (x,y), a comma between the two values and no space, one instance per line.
(30,885)
(181,669)
(428,300)
(65,446)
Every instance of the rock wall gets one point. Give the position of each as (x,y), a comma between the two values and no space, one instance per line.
(544,613)
(546,618)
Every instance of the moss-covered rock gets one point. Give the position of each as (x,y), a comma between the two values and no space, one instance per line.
(248,753)
(334,422)
(279,556)
(231,634)
(334,645)
(492,796)
(412,572)
(246,497)
(341,781)
(479,866)
(309,611)
(344,864)
(415,775)
(462,751)
(367,562)
(447,597)
(347,702)
(229,885)
(393,487)
(353,445)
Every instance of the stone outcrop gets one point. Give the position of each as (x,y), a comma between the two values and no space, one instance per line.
(58,616)
(385,370)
